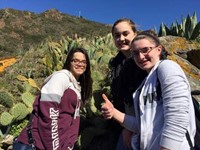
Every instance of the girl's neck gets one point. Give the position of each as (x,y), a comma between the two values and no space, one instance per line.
(126,53)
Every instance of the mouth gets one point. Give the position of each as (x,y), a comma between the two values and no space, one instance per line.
(144,62)
(122,45)
(80,69)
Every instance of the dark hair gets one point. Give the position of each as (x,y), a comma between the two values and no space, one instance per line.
(152,36)
(85,79)
(129,21)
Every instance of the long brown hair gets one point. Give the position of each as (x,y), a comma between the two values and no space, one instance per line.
(85,79)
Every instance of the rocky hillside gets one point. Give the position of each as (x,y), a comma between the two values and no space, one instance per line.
(32,67)
(187,55)
(184,52)
(21,29)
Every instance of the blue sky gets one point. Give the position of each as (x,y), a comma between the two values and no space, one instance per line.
(146,14)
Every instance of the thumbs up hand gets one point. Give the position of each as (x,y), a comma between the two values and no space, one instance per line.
(107,108)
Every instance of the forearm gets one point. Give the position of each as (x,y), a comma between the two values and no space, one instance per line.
(118,116)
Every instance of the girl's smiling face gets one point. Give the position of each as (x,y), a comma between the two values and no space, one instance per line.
(123,35)
(145,53)
(78,64)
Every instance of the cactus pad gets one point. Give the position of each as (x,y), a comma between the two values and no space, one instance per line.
(28,99)
(19,111)
(5,118)
(6,99)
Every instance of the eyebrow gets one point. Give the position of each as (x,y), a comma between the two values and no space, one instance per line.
(78,59)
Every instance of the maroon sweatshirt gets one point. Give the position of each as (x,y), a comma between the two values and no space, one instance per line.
(56,119)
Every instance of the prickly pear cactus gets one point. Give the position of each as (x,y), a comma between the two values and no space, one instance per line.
(20,87)
(28,99)
(21,78)
(6,99)
(19,111)
(5,118)
(30,81)
(92,105)
(98,77)
(33,83)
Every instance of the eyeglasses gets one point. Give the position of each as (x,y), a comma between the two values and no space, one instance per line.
(144,51)
(77,62)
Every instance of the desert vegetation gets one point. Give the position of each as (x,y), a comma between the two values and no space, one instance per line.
(23,75)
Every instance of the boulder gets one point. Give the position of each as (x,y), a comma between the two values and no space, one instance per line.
(187,55)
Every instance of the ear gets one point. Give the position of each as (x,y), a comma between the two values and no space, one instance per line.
(160,48)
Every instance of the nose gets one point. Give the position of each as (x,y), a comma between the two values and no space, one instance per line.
(141,55)
(122,37)
(80,64)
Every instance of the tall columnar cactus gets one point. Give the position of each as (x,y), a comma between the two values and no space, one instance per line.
(6,99)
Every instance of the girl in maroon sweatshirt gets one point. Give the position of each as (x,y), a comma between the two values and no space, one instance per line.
(55,120)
